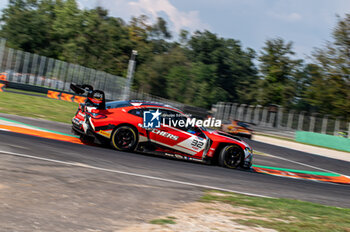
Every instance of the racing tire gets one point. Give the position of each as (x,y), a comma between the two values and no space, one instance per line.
(124,138)
(231,156)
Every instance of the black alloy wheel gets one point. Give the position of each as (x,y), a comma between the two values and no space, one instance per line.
(231,156)
(124,138)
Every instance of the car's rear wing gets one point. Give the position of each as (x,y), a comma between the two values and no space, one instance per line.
(94,97)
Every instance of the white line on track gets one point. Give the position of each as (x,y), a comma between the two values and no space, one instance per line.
(81,165)
(303,164)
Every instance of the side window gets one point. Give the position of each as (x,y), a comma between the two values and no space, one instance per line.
(196,131)
(136,112)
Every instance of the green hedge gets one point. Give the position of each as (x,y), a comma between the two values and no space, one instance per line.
(330,141)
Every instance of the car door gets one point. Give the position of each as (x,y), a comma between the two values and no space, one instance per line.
(175,135)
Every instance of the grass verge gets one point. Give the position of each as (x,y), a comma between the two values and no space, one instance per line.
(284,214)
(37,107)
(163,221)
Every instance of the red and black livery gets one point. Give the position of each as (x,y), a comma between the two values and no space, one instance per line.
(120,124)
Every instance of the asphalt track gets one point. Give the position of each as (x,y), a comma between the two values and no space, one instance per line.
(321,162)
(129,187)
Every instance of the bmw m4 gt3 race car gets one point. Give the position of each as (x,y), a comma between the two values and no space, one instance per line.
(133,126)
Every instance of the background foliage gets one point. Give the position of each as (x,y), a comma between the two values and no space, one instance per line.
(199,69)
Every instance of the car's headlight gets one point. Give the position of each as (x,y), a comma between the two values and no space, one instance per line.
(248,149)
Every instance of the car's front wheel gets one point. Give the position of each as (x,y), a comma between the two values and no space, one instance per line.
(231,156)
(124,138)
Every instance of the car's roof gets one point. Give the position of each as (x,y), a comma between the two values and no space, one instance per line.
(118,104)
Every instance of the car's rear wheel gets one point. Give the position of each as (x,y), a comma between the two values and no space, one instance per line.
(124,138)
(231,156)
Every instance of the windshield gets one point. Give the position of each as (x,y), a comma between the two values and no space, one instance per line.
(117,104)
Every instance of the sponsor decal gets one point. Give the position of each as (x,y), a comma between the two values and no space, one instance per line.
(165,134)
(104,133)
(151,119)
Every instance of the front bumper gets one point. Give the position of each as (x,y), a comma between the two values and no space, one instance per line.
(248,158)
(76,130)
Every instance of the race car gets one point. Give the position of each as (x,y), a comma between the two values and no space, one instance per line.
(133,126)
(237,128)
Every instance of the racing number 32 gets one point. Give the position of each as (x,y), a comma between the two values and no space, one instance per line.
(197,143)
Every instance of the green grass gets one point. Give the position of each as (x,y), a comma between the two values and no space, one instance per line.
(37,107)
(286,214)
(163,221)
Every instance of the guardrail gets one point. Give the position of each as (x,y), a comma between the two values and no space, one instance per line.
(280,119)
(28,71)
(33,69)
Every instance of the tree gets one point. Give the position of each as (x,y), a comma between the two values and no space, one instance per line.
(330,87)
(279,73)
(25,26)
(200,69)
(203,86)
(66,28)
(158,35)
(151,76)
(160,30)
(235,72)
(102,43)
